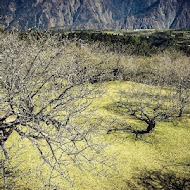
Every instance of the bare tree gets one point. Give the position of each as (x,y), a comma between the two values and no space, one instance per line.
(174,71)
(148,104)
(44,97)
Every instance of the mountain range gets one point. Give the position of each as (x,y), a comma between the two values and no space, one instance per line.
(94,14)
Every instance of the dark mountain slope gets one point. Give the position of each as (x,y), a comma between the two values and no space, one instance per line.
(94,14)
(163,14)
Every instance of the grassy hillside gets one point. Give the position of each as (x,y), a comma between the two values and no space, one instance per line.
(59,98)
(152,161)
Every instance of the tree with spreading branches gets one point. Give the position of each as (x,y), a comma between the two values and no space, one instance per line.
(147,104)
(45,96)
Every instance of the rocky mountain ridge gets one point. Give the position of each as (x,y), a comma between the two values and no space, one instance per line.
(94,14)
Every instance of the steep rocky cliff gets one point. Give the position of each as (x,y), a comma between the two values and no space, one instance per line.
(94,14)
(161,14)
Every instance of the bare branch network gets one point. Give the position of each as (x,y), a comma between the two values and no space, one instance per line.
(45,96)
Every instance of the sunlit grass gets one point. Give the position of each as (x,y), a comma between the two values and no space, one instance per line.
(166,148)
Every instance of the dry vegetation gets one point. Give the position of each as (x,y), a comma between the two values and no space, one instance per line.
(61,101)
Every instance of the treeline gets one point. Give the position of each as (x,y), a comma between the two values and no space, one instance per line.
(127,44)
(131,43)
(136,44)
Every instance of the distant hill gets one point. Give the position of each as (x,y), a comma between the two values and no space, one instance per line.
(94,14)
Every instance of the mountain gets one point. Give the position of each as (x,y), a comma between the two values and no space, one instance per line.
(94,14)
(161,14)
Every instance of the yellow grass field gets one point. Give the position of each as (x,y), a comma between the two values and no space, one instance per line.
(149,162)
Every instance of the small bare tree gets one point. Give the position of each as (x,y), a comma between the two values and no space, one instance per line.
(148,104)
(44,97)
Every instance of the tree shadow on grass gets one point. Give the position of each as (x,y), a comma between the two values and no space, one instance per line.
(159,180)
